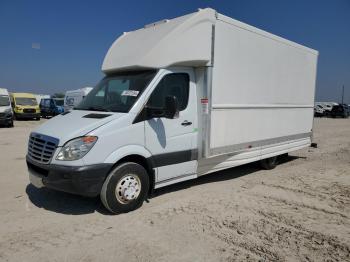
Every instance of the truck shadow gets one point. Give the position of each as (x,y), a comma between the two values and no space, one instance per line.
(227,174)
(64,203)
(69,204)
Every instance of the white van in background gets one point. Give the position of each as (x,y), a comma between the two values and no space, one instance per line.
(74,97)
(327,105)
(6,113)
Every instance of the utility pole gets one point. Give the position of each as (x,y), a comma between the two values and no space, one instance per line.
(342,96)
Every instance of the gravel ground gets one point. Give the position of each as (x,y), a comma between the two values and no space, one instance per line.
(299,211)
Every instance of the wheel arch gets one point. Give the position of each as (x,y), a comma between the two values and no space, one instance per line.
(136,154)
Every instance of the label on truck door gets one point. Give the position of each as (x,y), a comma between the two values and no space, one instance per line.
(205,105)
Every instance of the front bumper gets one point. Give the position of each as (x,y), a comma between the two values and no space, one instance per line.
(27,115)
(6,120)
(80,180)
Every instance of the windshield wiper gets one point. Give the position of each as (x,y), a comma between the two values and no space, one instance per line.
(94,108)
(99,108)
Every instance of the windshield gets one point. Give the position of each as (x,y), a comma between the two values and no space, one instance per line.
(58,102)
(4,101)
(26,101)
(117,92)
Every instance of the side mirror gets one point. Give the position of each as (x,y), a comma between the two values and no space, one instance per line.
(171,107)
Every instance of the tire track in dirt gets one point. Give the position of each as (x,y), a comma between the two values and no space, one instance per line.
(303,205)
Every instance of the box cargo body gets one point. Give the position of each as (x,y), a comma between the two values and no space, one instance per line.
(203,92)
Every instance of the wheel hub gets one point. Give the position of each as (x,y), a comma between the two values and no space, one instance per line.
(128,188)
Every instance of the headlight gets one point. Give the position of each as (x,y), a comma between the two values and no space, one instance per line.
(76,148)
(8,111)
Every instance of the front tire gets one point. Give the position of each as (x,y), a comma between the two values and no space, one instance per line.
(10,124)
(125,188)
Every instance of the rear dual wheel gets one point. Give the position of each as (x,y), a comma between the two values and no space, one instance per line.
(125,188)
(269,163)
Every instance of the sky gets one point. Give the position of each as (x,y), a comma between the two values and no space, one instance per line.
(53,46)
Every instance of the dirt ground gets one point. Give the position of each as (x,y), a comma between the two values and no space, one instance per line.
(299,211)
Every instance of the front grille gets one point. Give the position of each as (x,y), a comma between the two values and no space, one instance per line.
(28,110)
(41,147)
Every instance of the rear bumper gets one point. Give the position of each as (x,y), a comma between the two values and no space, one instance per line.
(80,180)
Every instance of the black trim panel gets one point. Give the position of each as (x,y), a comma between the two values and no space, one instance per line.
(173,158)
(98,116)
(80,180)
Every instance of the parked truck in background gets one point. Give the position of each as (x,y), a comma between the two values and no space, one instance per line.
(6,113)
(51,107)
(39,97)
(25,106)
(72,98)
(203,93)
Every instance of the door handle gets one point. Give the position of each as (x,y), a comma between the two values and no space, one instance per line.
(186,123)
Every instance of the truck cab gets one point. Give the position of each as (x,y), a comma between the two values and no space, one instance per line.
(6,113)
(25,106)
(51,106)
(148,115)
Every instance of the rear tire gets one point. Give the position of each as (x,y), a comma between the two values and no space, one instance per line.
(125,188)
(269,163)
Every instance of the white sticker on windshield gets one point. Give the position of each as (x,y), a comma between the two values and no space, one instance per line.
(130,93)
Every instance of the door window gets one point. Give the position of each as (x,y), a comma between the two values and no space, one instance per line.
(177,84)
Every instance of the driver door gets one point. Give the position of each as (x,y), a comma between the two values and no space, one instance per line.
(173,142)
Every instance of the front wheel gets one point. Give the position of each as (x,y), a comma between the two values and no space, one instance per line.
(125,188)
(10,124)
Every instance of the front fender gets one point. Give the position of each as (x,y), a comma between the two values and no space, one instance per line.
(127,151)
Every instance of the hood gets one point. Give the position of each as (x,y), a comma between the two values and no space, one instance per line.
(75,123)
(4,108)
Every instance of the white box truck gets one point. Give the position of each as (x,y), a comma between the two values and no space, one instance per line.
(73,97)
(181,98)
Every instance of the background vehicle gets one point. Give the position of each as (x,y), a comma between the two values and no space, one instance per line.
(51,106)
(347,108)
(319,111)
(40,96)
(74,97)
(6,114)
(25,106)
(196,97)
(341,110)
(327,106)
